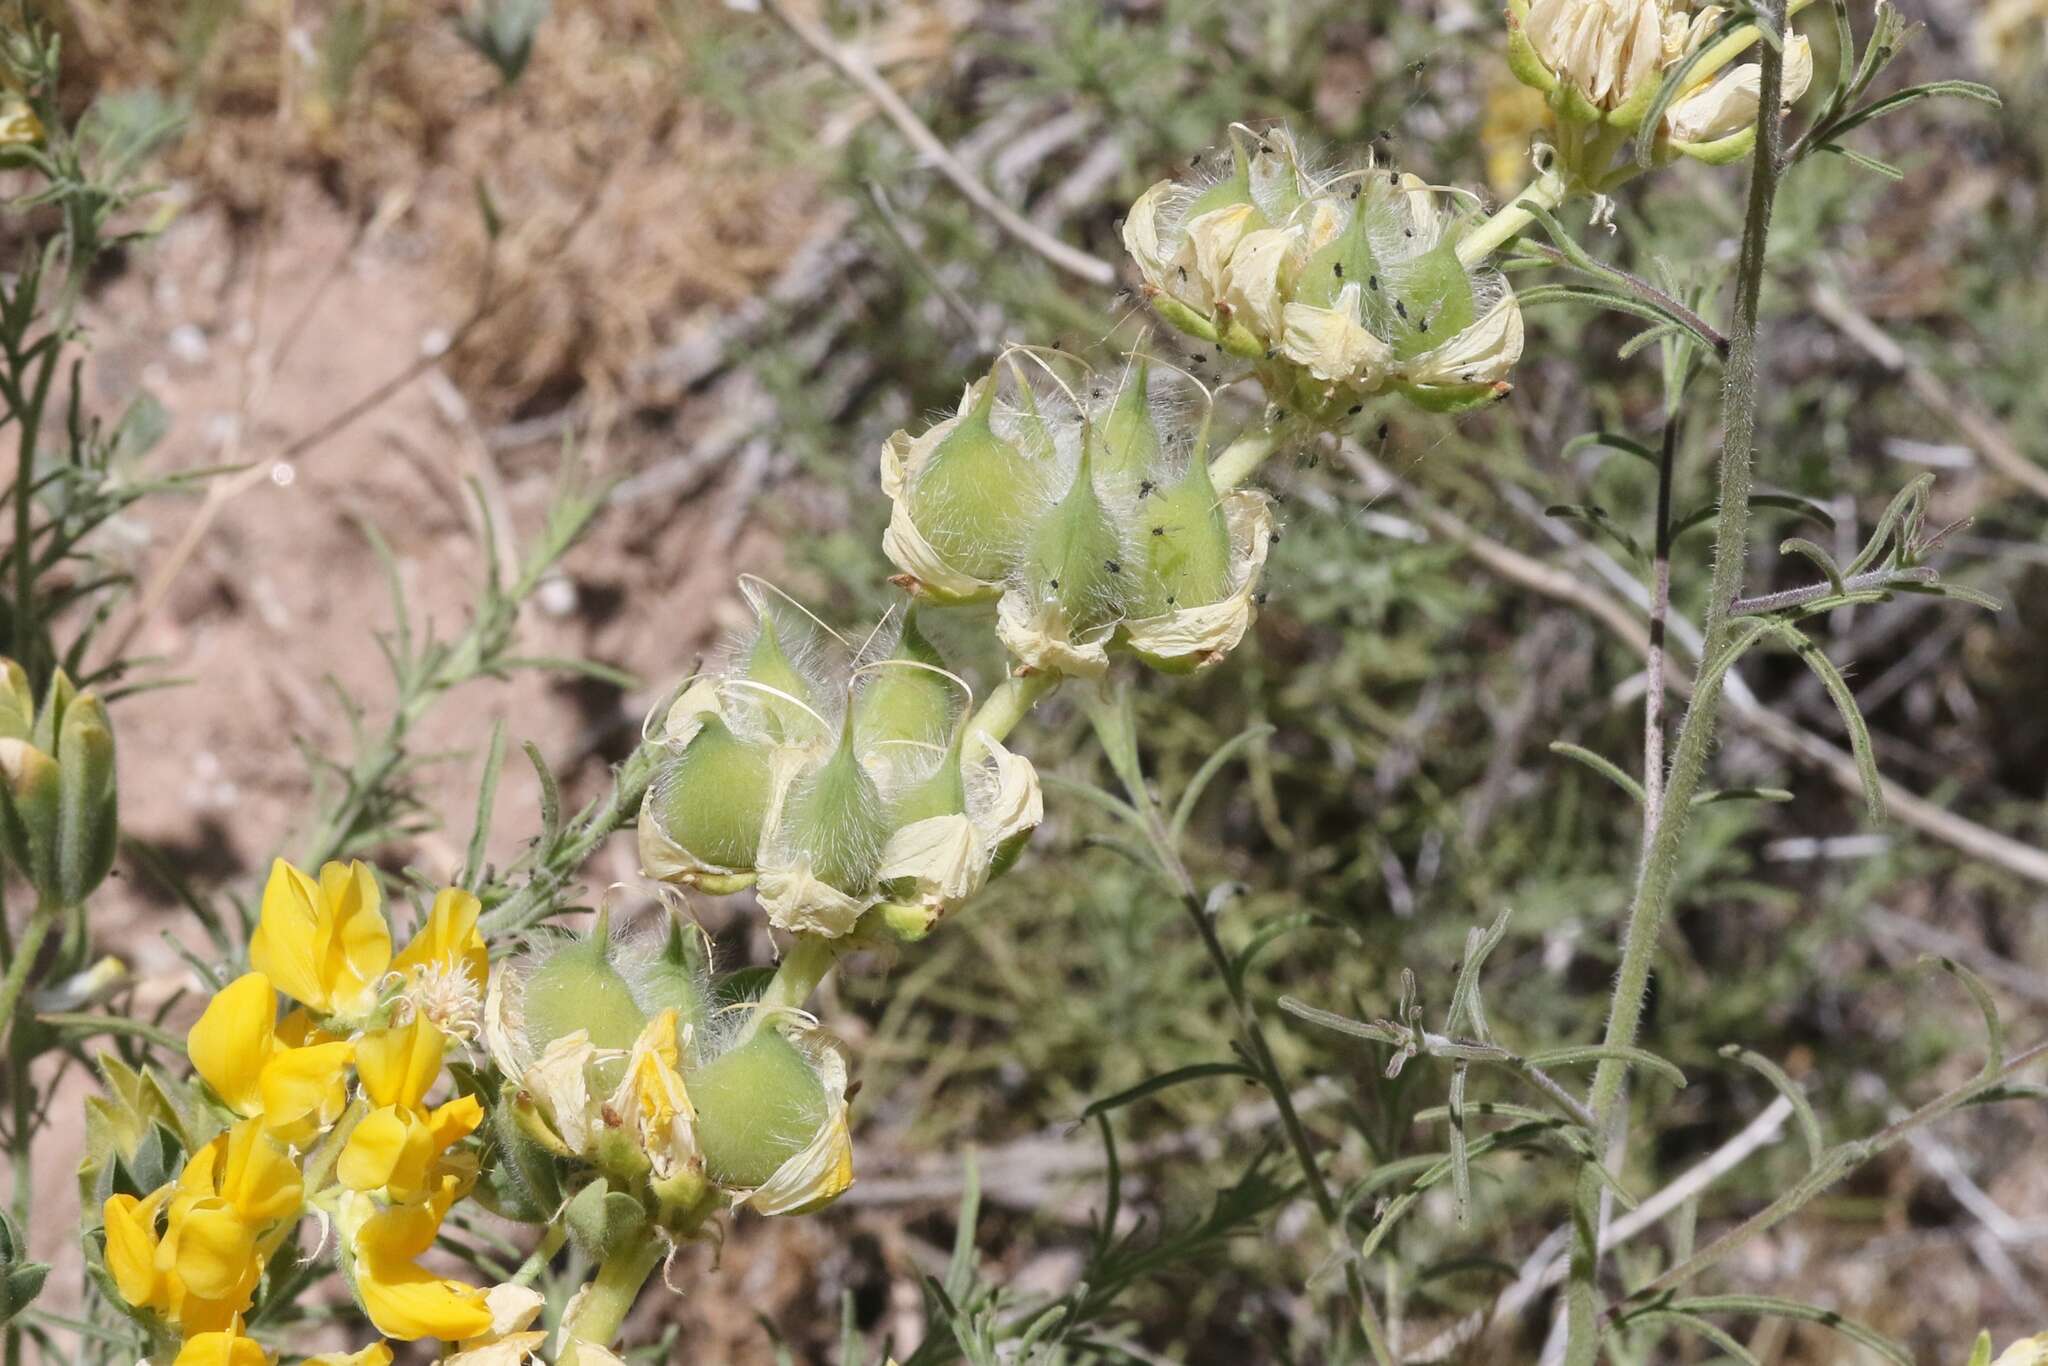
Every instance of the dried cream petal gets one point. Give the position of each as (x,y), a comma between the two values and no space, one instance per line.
(944,855)
(1483,353)
(1141,235)
(1331,342)
(559,1082)
(797,901)
(686,714)
(1212,240)
(910,552)
(1254,287)
(1040,636)
(1018,805)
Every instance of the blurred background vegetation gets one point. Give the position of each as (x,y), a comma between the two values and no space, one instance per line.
(683,241)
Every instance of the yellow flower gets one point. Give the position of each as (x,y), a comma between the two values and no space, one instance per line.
(446,965)
(223,1347)
(236,1049)
(652,1098)
(403,1299)
(131,1249)
(398,1145)
(234,1191)
(323,943)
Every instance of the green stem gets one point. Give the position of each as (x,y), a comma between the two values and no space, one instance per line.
(601,1307)
(1241,457)
(801,969)
(25,950)
(1659,868)
(1005,708)
(1545,192)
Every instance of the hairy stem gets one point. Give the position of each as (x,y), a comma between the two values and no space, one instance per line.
(1660,611)
(1545,192)
(601,1307)
(1659,866)
(1241,457)
(801,969)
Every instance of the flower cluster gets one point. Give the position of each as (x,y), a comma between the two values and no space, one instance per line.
(1092,521)
(1601,64)
(1334,286)
(371,1155)
(642,1096)
(834,784)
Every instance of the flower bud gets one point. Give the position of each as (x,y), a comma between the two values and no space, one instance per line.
(58,807)
(601,1220)
(21,1280)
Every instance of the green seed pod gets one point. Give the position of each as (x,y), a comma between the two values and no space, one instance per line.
(1076,558)
(758,1105)
(1128,447)
(1425,301)
(87,824)
(579,987)
(966,498)
(523,1183)
(943,792)
(679,979)
(1349,257)
(835,818)
(907,701)
(1186,545)
(712,799)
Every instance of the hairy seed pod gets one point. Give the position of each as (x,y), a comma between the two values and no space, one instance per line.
(758,1105)
(1185,542)
(679,979)
(908,702)
(1129,442)
(966,496)
(578,986)
(836,819)
(712,799)
(1076,555)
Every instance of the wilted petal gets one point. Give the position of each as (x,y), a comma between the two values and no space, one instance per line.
(1331,343)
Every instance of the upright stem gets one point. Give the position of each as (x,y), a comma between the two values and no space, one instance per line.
(1241,457)
(601,1307)
(1660,612)
(1696,733)
(800,971)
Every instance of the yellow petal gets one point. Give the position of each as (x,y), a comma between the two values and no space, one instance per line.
(258,1177)
(408,1302)
(358,953)
(131,1248)
(398,1065)
(305,1089)
(454,1121)
(376,1354)
(286,945)
(449,939)
(225,1348)
(212,1248)
(390,1148)
(233,1040)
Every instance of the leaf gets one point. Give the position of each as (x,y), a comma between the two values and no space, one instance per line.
(1913,94)
(550,797)
(1794,1094)
(1600,521)
(1852,719)
(1264,937)
(1868,163)
(1576,1054)
(1614,441)
(1821,560)
(1771,1306)
(1194,1071)
(486,800)
(1803,508)
(1994,1028)
(1742,794)
(1903,509)
(1601,765)
(1211,766)
(1465,1002)
(1713,1333)
(1343,1024)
